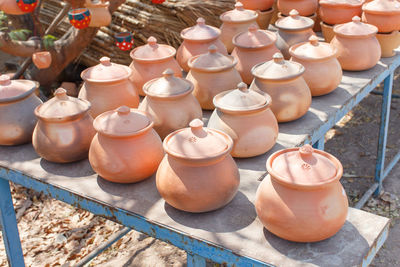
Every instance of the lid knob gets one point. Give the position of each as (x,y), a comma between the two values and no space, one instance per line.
(5,80)
(123,110)
(294,13)
(278,58)
(196,126)
(306,150)
(356,19)
(313,40)
(201,21)
(243,87)
(239,6)
(61,94)
(152,41)
(212,49)
(168,73)
(106,61)
(253,28)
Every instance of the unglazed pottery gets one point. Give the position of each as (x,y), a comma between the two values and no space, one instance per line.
(339,11)
(323,72)
(384,14)
(126,149)
(246,117)
(236,21)
(292,30)
(197,174)
(388,42)
(212,73)
(42,60)
(304,7)
(17,103)
(264,18)
(257,4)
(107,86)
(150,60)
(327,31)
(252,47)
(196,41)
(357,46)
(64,129)
(301,199)
(100,14)
(170,103)
(10,7)
(283,81)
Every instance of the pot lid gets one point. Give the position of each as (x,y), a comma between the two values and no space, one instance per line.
(294,21)
(355,28)
(302,166)
(197,142)
(200,31)
(152,50)
(121,122)
(12,88)
(254,38)
(241,99)
(239,14)
(168,85)
(277,69)
(382,6)
(313,49)
(341,2)
(211,60)
(106,71)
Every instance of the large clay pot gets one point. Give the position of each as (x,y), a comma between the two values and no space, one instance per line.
(384,14)
(388,42)
(257,4)
(196,41)
(339,11)
(42,60)
(323,72)
(17,103)
(150,60)
(169,103)
(302,199)
(252,47)
(100,14)
(358,48)
(126,149)
(64,129)
(197,174)
(236,21)
(304,7)
(246,117)
(10,7)
(107,86)
(292,30)
(212,73)
(283,81)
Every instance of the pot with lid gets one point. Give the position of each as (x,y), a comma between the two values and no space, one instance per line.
(384,14)
(304,7)
(339,11)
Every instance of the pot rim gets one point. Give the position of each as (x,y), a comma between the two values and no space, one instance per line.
(332,4)
(124,77)
(269,33)
(381,12)
(352,36)
(153,60)
(215,69)
(68,118)
(24,95)
(292,53)
(165,97)
(238,21)
(89,4)
(291,77)
(200,40)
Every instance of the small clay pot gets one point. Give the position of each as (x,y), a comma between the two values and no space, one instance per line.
(79,18)
(42,60)
(339,11)
(388,42)
(264,18)
(124,40)
(327,31)
(384,14)
(100,14)
(304,7)
(257,4)
(27,5)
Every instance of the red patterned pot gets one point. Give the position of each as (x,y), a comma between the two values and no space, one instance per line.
(27,5)
(79,18)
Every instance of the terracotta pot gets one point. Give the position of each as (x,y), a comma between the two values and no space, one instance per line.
(358,48)
(17,102)
(388,42)
(80,18)
(384,14)
(323,72)
(196,41)
(293,30)
(339,11)
(301,199)
(169,103)
(150,60)
(236,21)
(264,18)
(252,47)
(212,73)
(327,31)
(257,4)
(126,149)
(124,41)
(64,129)
(10,7)
(42,60)
(106,86)
(100,14)
(198,174)
(275,12)
(283,81)
(304,7)
(246,117)
(27,5)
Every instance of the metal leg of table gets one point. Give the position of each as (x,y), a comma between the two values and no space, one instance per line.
(194,260)
(8,221)
(320,144)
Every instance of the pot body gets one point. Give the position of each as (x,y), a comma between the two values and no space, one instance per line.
(169,115)
(63,141)
(304,7)
(126,159)
(100,15)
(327,32)
(42,60)
(301,215)
(388,42)
(357,54)
(338,14)
(290,98)
(10,7)
(264,18)
(285,39)
(230,29)
(257,4)
(385,22)
(197,187)
(105,96)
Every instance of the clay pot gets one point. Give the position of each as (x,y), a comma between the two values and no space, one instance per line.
(42,60)
(64,129)
(10,7)
(388,42)
(27,5)
(126,149)
(17,102)
(212,73)
(100,14)
(327,31)
(264,18)
(252,47)
(323,72)
(339,11)
(257,4)
(314,17)
(169,103)
(236,21)
(150,60)
(384,14)
(246,117)
(79,18)
(301,199)
(358,48)
(196,41)
(283,81)
(106,86)
(124,40)
(197,174)
(293,30)
(304,7)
